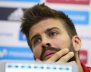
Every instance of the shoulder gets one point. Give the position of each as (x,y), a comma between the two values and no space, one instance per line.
(86,68)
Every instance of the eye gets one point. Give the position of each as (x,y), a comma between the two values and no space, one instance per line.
(36,41)
(53,33)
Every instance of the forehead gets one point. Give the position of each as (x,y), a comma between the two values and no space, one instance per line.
(44,25)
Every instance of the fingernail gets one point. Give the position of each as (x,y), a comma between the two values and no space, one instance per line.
(67,50)
(72,53)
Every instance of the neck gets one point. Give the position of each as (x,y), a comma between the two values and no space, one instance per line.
(80,69)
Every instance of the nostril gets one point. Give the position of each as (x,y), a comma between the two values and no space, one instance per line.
(43,46)
(47,45)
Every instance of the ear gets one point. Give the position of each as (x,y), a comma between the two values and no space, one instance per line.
(76,43)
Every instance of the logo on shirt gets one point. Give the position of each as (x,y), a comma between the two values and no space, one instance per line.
(83,56)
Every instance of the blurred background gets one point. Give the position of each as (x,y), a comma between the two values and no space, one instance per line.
(13,44)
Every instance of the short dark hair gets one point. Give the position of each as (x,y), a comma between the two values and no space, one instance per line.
(40,12)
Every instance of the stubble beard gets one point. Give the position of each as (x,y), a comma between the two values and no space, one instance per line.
(71,49)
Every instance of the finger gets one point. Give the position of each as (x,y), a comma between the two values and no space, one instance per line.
(72,62)
(58,55)
(65,58)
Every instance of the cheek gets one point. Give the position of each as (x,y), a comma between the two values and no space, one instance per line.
(37,52)
(62,43)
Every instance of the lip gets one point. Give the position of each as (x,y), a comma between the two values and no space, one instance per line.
(48,54)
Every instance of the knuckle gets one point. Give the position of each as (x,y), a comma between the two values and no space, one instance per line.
(57,55)
(64,59)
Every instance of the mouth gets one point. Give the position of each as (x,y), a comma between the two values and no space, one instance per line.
(48,54)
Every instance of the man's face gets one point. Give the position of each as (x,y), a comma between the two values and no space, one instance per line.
(47,37)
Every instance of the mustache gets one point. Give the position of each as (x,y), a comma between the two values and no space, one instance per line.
(55,49)
(48,48)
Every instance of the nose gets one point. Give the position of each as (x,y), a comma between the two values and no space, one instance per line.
(46,43)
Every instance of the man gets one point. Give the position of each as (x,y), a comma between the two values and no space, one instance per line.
(52,36)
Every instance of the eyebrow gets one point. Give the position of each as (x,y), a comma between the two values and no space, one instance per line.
(49,29)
